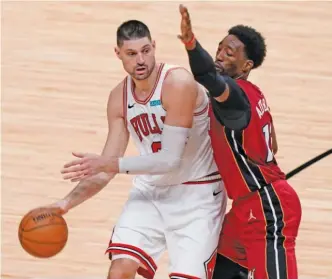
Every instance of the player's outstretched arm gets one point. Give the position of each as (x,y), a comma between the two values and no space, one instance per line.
(201,62)
(115,146)
(179,100)
(231,101)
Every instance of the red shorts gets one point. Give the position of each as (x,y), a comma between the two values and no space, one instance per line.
(259,232)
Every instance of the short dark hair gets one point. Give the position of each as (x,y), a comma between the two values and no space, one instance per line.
(254,42)
(131,29)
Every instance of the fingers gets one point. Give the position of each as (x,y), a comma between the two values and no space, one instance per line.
(58,210)
(53,208)
(74,177)
(186,30)
(79,169)
(76,173)
(181,9)
(77,179)
(74,168)
(79,154)
(84,157)
(73,173)
(187,35)
(184,11)
(75,162)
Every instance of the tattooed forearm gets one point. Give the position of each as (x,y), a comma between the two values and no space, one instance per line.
(86,189)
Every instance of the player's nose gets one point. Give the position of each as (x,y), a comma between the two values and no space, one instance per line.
(220,56)
(140,59)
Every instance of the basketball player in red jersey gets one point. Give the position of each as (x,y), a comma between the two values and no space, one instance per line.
(260,229)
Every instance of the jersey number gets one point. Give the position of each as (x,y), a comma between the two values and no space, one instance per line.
(156,146)
(267,135)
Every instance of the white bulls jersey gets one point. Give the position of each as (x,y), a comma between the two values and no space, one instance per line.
(145,121)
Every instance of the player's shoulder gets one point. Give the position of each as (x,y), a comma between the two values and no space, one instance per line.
(179,85)
(115,98)
(177,75)
(116,94)
(118,89)
(249,88)
(246,83)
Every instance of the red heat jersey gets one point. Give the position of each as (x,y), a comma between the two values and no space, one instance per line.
(244,158)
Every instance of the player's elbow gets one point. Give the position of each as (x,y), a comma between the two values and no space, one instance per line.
(274,141)
(275,148)
(214,83)
(274,144)
(174,164)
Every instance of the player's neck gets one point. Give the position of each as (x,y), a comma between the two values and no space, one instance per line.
(143,87)
(240,76)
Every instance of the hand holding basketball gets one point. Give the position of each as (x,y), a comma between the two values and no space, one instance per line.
(43,232)
(59,207)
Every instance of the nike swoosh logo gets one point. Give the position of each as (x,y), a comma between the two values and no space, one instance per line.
(216,193)
(130,106)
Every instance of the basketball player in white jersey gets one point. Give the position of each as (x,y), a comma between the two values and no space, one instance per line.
(177,200)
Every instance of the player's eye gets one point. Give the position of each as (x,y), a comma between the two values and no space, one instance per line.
(229,51)
(146,51)
(131,53)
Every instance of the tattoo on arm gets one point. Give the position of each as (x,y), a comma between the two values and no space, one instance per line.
(87,188)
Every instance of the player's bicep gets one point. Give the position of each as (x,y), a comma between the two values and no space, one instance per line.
(118,135)
(117,139)
(179,99)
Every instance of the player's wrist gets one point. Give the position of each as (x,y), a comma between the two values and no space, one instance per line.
(63,205)
(112,165)
(116,165)
(122,165)
(190,44)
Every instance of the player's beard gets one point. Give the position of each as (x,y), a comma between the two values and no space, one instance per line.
(145,73)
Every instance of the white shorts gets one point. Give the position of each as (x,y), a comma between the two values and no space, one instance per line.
(184,219)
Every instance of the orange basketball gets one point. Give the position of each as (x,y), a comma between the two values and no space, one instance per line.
(43,233)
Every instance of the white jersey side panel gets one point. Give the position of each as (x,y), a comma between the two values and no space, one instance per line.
(145,121)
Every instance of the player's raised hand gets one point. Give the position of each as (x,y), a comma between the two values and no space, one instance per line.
(86,166)
(187,35)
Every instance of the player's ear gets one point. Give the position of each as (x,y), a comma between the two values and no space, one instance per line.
(247,66)
(154,44)
(117,52)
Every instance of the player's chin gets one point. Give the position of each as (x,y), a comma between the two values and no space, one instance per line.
(141,76)
(220,70)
